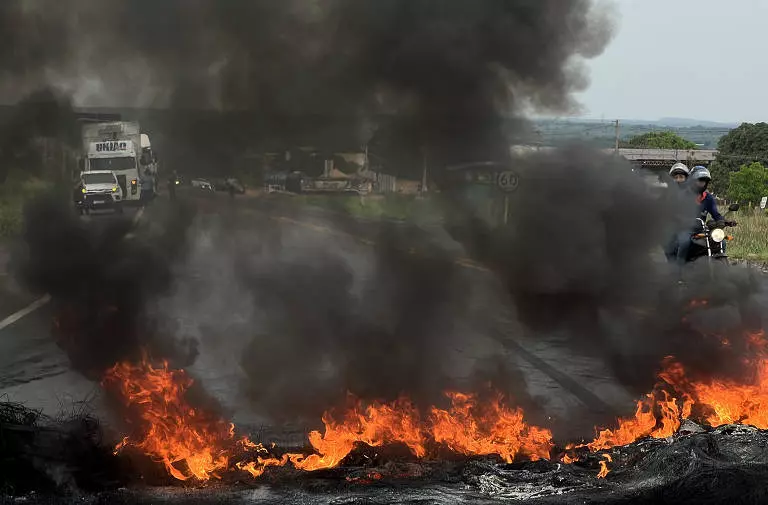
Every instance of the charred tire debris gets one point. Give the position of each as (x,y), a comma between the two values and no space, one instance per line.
(59,461)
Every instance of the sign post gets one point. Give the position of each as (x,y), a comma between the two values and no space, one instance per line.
(507,181)
(763,202)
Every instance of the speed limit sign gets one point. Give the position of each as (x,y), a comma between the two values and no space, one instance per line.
(507,181)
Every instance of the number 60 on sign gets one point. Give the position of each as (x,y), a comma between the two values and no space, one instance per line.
(507,181)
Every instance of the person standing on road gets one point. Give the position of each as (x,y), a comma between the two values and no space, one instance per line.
(147,186)
(172,181)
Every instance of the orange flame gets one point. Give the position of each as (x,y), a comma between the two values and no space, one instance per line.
(188,442)
(376,425)
(656,416)
(604,466)
(730,401)
(493,429)
(464,428)
(737,403)
(193,444)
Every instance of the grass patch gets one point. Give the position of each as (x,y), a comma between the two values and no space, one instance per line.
(14,194)
(750,237)
(400,207)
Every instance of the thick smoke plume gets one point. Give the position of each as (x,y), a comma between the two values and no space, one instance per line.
(328,73)
(582,256)
(456,76)
(101,280)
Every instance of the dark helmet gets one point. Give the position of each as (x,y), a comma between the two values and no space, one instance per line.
(701,173)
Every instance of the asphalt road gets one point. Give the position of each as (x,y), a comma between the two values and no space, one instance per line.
(567,387)
(33,370)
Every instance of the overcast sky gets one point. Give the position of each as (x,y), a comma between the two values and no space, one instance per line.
(702,59)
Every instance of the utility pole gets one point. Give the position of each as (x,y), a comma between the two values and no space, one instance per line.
(616,147)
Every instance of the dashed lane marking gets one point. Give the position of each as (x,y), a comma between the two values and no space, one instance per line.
(47,298)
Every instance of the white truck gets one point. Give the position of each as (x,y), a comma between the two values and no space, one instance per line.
(121,148)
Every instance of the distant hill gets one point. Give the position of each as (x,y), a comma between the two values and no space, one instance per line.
(602,133)
(670,122)
(687,122)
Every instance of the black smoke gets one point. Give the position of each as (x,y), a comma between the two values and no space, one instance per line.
(582,256)
(332,74)
(43,116)
(102,278)
(457,77)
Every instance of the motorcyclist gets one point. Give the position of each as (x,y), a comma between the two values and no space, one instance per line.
(700,179)
(679,173)
(699,182)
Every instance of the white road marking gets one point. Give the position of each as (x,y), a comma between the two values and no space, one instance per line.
(138,215)
(136,218)
(24,312)
(47,298)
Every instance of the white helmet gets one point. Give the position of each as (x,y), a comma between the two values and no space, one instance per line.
(679,168)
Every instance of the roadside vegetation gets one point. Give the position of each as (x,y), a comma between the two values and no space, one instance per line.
(36,145)
(659,140)
(750,237)
(13,195)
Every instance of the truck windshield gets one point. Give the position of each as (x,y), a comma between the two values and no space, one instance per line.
(123,163)
(98,178)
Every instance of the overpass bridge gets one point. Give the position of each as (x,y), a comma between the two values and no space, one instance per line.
(652,159)
(657,159)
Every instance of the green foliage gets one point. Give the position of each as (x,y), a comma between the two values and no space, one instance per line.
(10,220)
(746,144)
(14,193)
(749,184)
(750,237)
(41,122)
(399,207)
(659,140)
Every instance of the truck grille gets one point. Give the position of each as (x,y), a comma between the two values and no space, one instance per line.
(99,197)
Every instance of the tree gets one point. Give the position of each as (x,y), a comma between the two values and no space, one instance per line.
(743,145)
(749,183)
(659,140)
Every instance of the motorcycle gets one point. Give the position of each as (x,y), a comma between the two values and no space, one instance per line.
(709,239)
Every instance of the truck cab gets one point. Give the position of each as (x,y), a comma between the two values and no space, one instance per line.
(97,190)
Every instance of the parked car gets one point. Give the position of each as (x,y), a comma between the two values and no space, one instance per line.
(202,184)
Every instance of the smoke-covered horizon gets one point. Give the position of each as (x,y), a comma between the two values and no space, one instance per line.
(453,69)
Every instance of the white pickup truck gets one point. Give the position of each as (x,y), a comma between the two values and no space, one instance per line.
(97,190)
